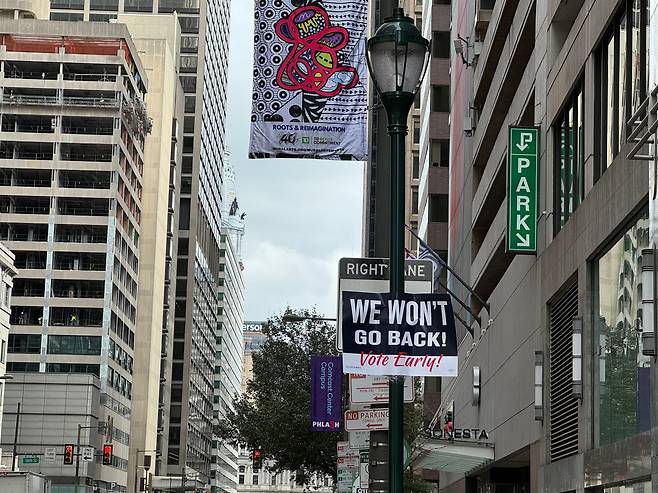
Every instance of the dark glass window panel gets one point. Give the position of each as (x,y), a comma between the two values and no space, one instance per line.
(441,99)
(438,208)
(83,345)
(441,44)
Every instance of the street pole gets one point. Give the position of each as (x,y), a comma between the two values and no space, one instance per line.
(14,452)
(397,107)
(397,57)
(77,460)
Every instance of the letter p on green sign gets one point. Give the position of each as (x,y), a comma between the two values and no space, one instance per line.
(522,165)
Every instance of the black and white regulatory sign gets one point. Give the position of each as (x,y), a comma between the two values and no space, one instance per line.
(407,334)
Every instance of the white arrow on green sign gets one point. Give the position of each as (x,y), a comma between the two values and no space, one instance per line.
(522,166)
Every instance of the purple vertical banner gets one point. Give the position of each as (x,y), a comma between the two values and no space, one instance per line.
(326,393)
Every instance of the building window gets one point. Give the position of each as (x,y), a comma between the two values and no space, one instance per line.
(438,208)
(441,44)
(440,153)
(3,351)
(416,132)
(138,5)
(241,479)
(66,16)
(441,99)
(414,200)
(415,166)
(25,343)
(643,487)
(621,79)
(569,173)
(254,479)
(85,345)
(622,400)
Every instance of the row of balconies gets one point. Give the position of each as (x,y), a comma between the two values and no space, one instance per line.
(47,151)
(63,206)
(58,316)
(60,71)
(49,178)
(49,124)
(64,233)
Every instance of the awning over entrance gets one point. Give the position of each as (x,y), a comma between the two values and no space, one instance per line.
(454,456)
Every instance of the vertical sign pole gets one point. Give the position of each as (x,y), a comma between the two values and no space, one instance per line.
(77,461)
(14,453)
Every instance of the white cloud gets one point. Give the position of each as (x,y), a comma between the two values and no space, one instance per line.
(279,276)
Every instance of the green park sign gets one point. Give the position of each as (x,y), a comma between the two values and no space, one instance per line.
(522,166)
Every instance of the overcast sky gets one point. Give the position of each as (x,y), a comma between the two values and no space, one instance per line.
(302,215)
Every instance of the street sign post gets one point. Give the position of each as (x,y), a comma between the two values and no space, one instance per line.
(364,471)
(373,389)
(371,275)
(348,467)
(522,183)
(88,454)
(366,420)
(359,440)
(49,455)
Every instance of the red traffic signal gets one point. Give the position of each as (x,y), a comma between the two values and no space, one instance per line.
(257,458)
(107,454)
(68,454)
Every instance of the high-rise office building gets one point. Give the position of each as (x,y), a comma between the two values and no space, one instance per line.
(228,336)
(568,386)
(157,37)
(203,62)
(73,127)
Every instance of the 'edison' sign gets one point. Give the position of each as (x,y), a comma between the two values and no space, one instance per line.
(522,164)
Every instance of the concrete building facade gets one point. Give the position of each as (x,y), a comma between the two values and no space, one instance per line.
(74,125)
(202,65)
(577,71)
(7,274)
(157,37)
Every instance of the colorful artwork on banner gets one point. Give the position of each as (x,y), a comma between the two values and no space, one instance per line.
(310,97)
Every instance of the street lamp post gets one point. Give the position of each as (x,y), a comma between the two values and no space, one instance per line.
(397,58)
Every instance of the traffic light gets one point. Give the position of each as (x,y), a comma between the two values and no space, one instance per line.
(68,454)
(107,454)
(257,459)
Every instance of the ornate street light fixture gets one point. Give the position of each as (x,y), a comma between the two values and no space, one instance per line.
(397,60)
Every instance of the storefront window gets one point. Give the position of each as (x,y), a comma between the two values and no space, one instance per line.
(621,381)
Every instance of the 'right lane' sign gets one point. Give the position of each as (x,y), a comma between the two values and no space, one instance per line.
(522,165)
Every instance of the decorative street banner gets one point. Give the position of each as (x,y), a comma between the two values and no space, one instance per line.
(326,393)
(522,167)
(411,334)
(310,98)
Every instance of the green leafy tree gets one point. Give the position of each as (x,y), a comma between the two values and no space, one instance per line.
(273,414)
(415,434)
